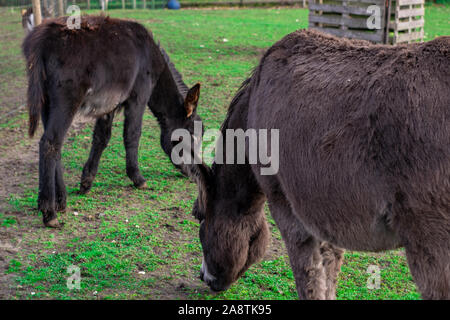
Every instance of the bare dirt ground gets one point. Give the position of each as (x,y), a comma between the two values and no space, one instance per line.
(19,159)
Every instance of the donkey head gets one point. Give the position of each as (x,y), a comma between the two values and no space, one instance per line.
(180,113)
(233,229)
(27,20)
(184,119)
(174,105)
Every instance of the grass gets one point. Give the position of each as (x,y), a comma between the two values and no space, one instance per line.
(143,244)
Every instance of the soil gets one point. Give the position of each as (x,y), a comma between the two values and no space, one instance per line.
(19,160)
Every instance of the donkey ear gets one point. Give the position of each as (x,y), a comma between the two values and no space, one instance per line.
(191,101)
(201,174)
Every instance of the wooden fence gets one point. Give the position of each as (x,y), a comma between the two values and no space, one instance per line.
(399,20)
(406,21)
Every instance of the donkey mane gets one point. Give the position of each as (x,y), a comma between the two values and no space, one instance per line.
(237,98)
(176,75)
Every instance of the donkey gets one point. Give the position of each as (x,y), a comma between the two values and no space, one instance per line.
(364,163)
(105,65)
(28,17)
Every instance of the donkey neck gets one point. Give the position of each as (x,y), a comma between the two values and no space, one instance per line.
(167,99)
(236,189)
(236,182)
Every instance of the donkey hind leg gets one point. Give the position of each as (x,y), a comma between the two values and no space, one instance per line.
(429,263)
(51,185)
(304,253)
(131,134)
(100,139)
(333,258)
(60,188)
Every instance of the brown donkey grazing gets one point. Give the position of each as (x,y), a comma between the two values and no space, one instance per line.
(364,163)
(104,65)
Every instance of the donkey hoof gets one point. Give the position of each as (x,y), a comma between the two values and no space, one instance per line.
(54,223)
(61,208)
(143,185)
(84,189)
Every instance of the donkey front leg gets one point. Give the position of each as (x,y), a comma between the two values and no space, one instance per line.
(428,257)
(304,253)
(131,135)
(332,257)
(100,139)
(51,184)
(60,188)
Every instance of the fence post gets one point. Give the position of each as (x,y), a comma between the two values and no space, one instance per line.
(45,7)
(134,4)
(51,6)
(387,20)
(88,4)
(144,4)
(123,4)
(60,8)
(37,12)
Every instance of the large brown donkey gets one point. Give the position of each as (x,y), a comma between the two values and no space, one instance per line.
(364,163)
(104,65)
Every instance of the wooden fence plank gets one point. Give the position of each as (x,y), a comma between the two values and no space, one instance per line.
(409,2)
(408,37)
(352,34)
(358,1)
(360,23)
(408,25)
(411,13)
(339,9)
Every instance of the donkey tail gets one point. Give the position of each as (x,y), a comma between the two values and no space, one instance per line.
(33,49)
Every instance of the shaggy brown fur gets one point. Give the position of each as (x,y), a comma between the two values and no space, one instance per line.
(105,65)
(364,162)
